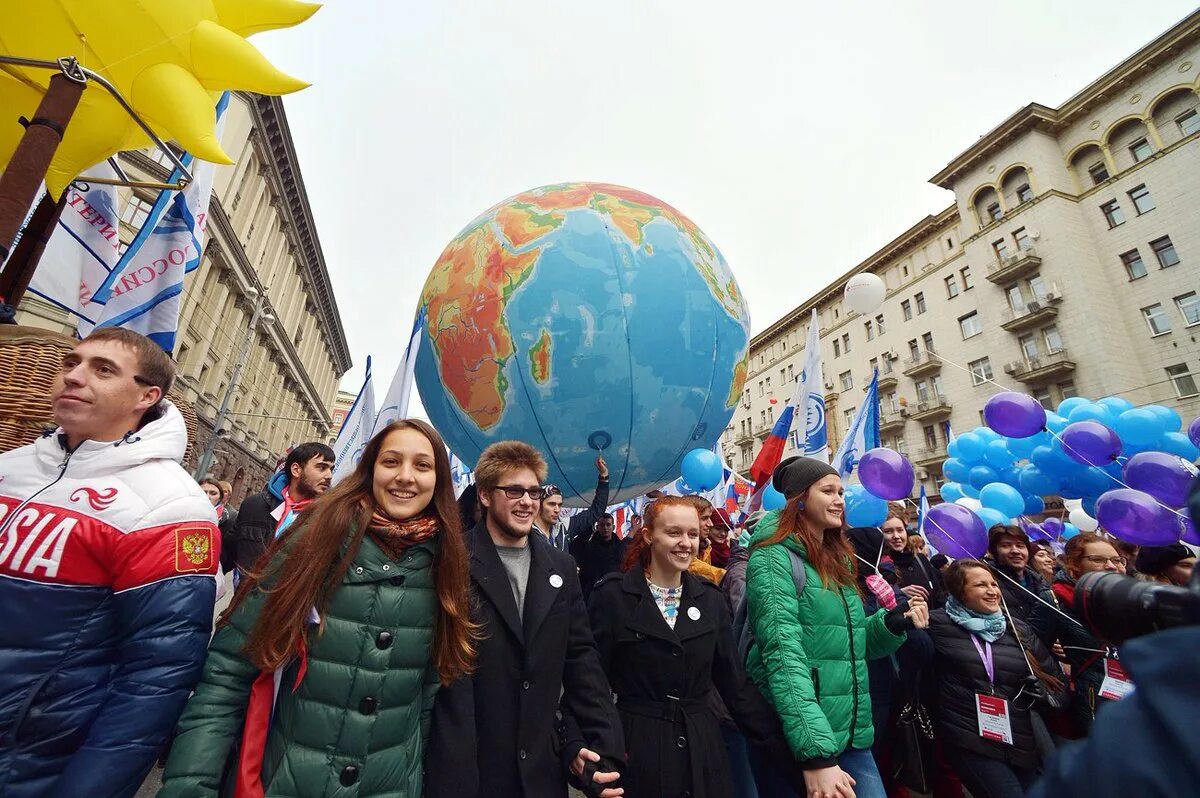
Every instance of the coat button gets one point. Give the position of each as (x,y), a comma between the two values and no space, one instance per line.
(525,685)
(397,580)
(349,775)
(681,742)
(387,567)
(358,570)
(384,640)
(639,636)
(368,706)
(523,755)
(676,652)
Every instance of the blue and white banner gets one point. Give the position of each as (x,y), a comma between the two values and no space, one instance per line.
(812,438)
(144,291)
(460,474)
(356,430)
(922,514)
(396,400)
(863,434)
(83,249)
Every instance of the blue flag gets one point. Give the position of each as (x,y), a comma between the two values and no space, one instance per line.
(863,434)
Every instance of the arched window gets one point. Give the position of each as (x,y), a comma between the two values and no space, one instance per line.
(1015,187)
(987,206)
(1176,115)
(1089,167)
(1129,143)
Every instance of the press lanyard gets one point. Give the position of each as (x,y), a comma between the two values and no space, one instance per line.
(985,655)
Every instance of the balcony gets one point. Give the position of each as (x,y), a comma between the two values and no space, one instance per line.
(743,437)
(762,430)
(1042,310)
(1041,369)
(1020,264)
(887,381)
(892,420)
(936,407)
(930,456)
(924,363)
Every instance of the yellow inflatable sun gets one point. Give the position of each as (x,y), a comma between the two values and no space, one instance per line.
(170,59)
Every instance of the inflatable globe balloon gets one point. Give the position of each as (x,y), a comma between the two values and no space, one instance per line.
(583,318)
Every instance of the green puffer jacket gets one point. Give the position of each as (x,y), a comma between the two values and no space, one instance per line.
(358,723)
(810,652)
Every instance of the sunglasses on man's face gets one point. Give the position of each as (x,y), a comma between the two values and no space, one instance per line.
(516,491)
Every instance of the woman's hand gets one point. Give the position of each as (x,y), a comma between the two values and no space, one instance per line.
(915,591)
(918,612)
(581,761)
(830,782)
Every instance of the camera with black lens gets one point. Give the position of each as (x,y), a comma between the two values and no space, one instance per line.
(1117,607)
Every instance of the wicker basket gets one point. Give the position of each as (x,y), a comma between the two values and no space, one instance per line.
(30,359)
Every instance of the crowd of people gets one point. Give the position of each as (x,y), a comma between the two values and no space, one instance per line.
(389,638)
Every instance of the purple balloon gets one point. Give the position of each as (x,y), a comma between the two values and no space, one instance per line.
(1164,476)
(1090,443)
(1036,532)
(1194,431)
(956,531)
(1053,527)
(886,473)
(1188,532)
(1137,517)
(1016,415)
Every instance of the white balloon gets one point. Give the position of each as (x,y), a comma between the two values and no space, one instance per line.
(1082,520)
(865,292)
(1072,504)
(969,503)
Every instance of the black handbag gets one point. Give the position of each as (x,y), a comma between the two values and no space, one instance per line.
(912,748)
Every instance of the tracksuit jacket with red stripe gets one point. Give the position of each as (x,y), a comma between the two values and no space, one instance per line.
(107,562)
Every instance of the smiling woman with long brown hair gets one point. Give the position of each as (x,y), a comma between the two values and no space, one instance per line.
(325,665)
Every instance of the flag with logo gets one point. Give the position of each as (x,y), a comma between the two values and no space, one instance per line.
(922,513)
(356,430)
(83,249)
(144,291)
(863,434)
(395,402)
(812,437)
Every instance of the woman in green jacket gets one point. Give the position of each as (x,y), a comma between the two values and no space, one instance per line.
(321,677)
(810,650)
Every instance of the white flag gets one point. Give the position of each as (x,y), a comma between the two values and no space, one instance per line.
(395,402)
(356,430)
(83,249)
(812,438)
(144,291)
(863,434)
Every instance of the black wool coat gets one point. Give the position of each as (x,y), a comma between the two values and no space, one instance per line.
(959,675)
(497,732)
(662,678)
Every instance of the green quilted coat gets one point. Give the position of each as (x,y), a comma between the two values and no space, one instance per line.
(358,722)
(810,652)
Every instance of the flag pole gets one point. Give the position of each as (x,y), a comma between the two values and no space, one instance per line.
(15,279)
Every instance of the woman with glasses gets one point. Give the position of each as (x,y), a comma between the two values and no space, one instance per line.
(1089,658)
(990,670)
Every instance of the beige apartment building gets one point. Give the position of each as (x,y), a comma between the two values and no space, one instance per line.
(1068,264)
(261,242)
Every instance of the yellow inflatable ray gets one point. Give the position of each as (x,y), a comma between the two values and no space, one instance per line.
(168,58)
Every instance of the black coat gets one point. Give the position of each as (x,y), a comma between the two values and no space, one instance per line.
(227,524)
(255,528)
(496,733)
(1023,605)
(596,558)
(662,678)
(960,675)
(915,569)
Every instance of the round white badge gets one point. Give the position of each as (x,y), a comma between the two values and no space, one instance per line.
(555,580)
(694,613)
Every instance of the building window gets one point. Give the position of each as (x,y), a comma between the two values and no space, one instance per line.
(1142,200)
(848,414)
(1113,214)
(1189,307)
(889,401)
(949,242)
(922,390)
(1189,122)
(136,211)
(887,364)
(846,343)
(768,384)
(1098,172)
(1022,238)
(906,309)
(1134,267)
(1016,299)
(981,370)
(1052,339)
(927,339)
(1156,319)
(951,287)
(921,300)
(1140,150)
(969,325)
(904,270)
(1000,247)
(965,274)
(1024,193)
(930,437)
(847,380)
(761,389)
(874,363)
(993,211)
(791,377)
(870,330)
(1183,379)
(1043,396)
(879,323)
(837,348)
(1029,347)
(914,351)
(1164,250)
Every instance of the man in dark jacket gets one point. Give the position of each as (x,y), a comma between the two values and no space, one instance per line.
(561,533)
(597,553)
(1025,592)
(495,732)
(307,473)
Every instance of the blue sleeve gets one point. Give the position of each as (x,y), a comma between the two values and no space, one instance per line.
(163,630)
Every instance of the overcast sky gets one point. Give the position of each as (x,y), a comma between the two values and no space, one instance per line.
(799,138)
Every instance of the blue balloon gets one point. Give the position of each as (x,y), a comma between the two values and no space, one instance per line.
(951,492)
(1140,426)
(953,450)
(1036,482)
(970,447)
(1091,412)
(1095,481)
(1056,423)
(1003,498)
(1178,444)
(1115,405)
(1011,476)
(1089,505)
(702,469)
(773,499)
(1021,447)
(1069,531)
(956,470)
(1170,419)
(997,455)
(1043,457)
(1067,405)
(1034,505)
(969,490)
(866,510)
(992,517)
(982,475)
(987,434)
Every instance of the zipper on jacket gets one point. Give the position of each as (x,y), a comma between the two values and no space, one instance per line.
(11,517)
(853,666)
(816,680)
